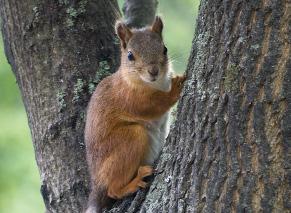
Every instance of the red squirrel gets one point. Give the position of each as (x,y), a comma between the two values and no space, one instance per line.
(127,114)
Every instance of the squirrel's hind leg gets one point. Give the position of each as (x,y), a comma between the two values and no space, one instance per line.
(117,192)
(131,146)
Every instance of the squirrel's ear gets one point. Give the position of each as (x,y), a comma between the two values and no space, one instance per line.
(123,32)
(158,25)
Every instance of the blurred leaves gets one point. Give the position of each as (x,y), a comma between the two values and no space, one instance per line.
(19,177)
(9,92)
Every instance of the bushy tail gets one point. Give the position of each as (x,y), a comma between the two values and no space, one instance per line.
(97,200)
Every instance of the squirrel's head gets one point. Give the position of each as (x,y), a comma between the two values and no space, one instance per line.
(143,53)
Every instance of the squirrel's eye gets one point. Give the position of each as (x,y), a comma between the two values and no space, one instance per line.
(165,50)
(130,56)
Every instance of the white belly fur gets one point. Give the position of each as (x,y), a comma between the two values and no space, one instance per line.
(157,131)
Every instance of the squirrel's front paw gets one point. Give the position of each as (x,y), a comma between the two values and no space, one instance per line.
(177,84)
(178,81)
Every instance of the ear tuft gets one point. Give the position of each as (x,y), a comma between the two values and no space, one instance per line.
(158,25)
(123,32)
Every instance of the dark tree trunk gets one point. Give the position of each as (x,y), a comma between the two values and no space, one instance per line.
(59,51)
(229,149)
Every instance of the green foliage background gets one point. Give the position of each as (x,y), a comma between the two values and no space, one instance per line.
(19,177)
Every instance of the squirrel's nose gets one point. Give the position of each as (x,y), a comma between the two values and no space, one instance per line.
(154,71)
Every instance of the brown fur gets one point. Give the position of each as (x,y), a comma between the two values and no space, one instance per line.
(121,106)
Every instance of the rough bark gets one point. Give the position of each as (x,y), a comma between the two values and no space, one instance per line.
(59,51)
(229,149)
(139,13)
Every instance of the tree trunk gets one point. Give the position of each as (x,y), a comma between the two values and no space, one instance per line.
(59,51)
(139,13)
(229,149)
